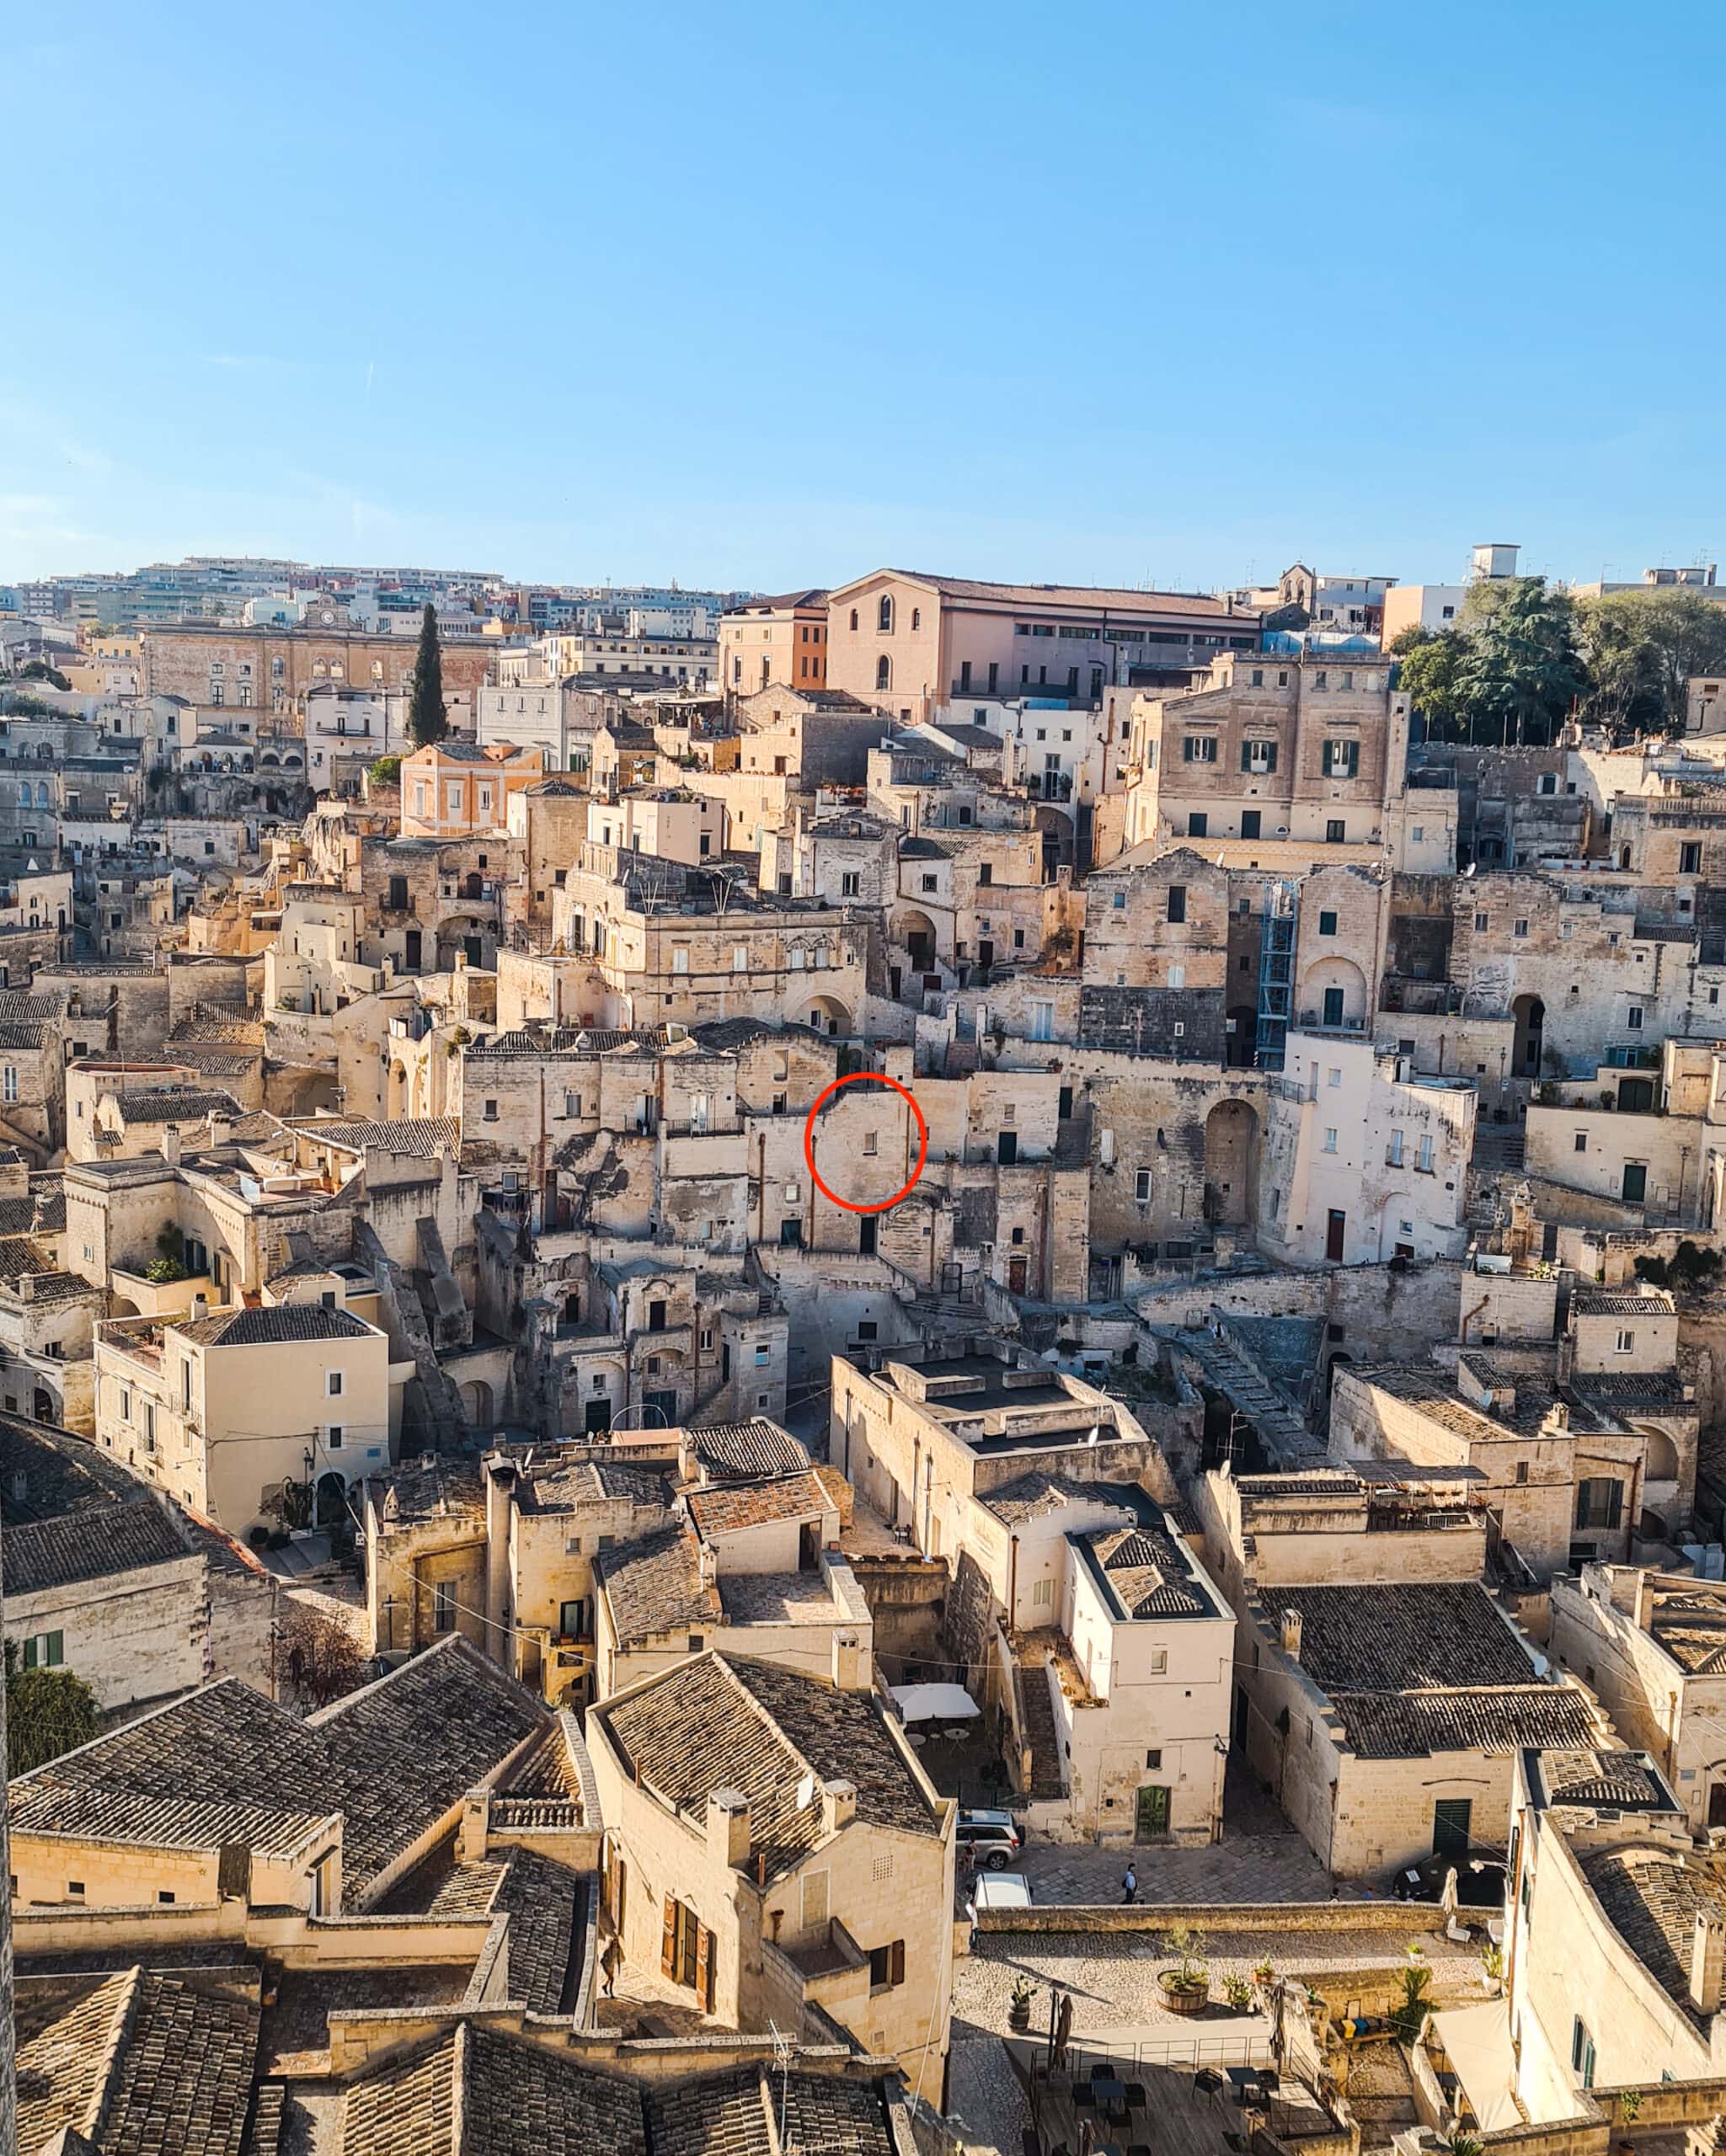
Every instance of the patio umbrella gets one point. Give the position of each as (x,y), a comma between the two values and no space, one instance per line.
(1447,1900)
(1063,2027)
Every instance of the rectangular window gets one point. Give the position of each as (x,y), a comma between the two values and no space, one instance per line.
(1341,758)
(1198,749)
(1424,1159)
(1159,1661)
(45,1651)
(1330,1141)
(335,1385)
(1520,929)
(1690,860)
(1633,1018)
(1395,1155)
(1627,1343)
(1043,1590)
(1177,908)
(1258,756)
(1141,1186)
(1198,823)
(1326,924)
(1581,1141)
(443,1606)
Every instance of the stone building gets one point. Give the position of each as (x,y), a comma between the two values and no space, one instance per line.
(772,1845)
(274,668)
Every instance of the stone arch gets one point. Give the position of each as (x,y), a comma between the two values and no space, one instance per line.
(329,1499)
(1530,1013)
(828,1015)
(44,1406)
(124,1306)
(916,931)
(1662,1454)
(1230,1144)
(1333,993)
(478,1403)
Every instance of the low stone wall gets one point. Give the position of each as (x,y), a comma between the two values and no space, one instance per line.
(1401,1919)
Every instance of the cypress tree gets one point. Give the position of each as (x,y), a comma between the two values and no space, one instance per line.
(427,719)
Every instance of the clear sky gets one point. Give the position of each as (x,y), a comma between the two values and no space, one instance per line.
(770,294)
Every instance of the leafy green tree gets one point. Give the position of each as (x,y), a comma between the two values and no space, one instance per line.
(1431,666)
(48,1711)
(1642,649)
(427,719)
(1522,668)
(385,771)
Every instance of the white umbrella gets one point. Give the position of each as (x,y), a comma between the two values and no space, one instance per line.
(1447,1900)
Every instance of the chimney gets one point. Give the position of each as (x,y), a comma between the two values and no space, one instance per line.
(1291,1634)
(851,1666)
(1707,1960)
(728,1824)
(838,1805)
(708,1564)
(221,1128)
(170,1144)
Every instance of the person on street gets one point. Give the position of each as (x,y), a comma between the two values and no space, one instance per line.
(1129,1887)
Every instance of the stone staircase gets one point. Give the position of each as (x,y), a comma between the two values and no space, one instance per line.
(1039,1731)
(1282,1434)
(1497,1148)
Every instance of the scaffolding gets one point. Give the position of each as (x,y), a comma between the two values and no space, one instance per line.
(1276,974)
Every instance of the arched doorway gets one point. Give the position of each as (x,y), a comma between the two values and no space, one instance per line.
(477,1402)
(917,933)
(828,1015)
(1530,1014)
(1230,1132)
(331,1504)
(1334,996)
(44,1406)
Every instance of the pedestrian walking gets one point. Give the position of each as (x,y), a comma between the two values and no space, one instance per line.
(609,1962)
(1129,1887)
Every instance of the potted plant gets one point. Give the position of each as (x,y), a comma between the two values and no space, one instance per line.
(1019,2013)
(1238,1992)
(1186,1987)
(1263,1974)
(1492,1968)
(1410,2017)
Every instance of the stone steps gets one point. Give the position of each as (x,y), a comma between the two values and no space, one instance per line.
(1040,1729)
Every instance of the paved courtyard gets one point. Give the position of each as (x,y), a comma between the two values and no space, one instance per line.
(1259,1859)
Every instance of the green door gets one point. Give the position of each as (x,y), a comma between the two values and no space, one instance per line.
(1450,1818)
(1153,1812)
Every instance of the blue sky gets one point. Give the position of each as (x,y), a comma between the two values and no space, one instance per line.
(770,295)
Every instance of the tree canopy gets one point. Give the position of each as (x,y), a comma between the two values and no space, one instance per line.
(427,719)
(1510,671)
(1643,648)
(48,1711)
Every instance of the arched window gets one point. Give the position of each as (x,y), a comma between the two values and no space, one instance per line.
(916,619)
(883,672)
(853,617)
(884,614)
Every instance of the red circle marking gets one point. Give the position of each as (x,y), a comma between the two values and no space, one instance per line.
(880,1078)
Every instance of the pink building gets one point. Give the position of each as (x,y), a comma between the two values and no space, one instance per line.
(913,644)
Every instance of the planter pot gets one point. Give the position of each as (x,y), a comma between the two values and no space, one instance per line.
(1492,1986)
(1192,1997)
(1018,2017)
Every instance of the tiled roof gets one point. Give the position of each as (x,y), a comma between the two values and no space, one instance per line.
(718,1721)
(418,1141)
(1603,1776)
(272,1325)
(1149,1572)
(477,2092)
(656,1585)
(174,1104)
(224,1764)
(1690,1625)
(1614,1302)
(725,1511)
(443,1486)
(143,2065)
(90,1545)
(1030,1495)
(1030,597)
(1509,1718)
(542,1899)
(1652,1898)
(1402,1638)
(732,1451)
(1320,1484)
(565,1485)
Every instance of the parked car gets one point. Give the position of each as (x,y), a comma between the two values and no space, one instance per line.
(990,1836)
(1003,1890)
(1480,1879)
